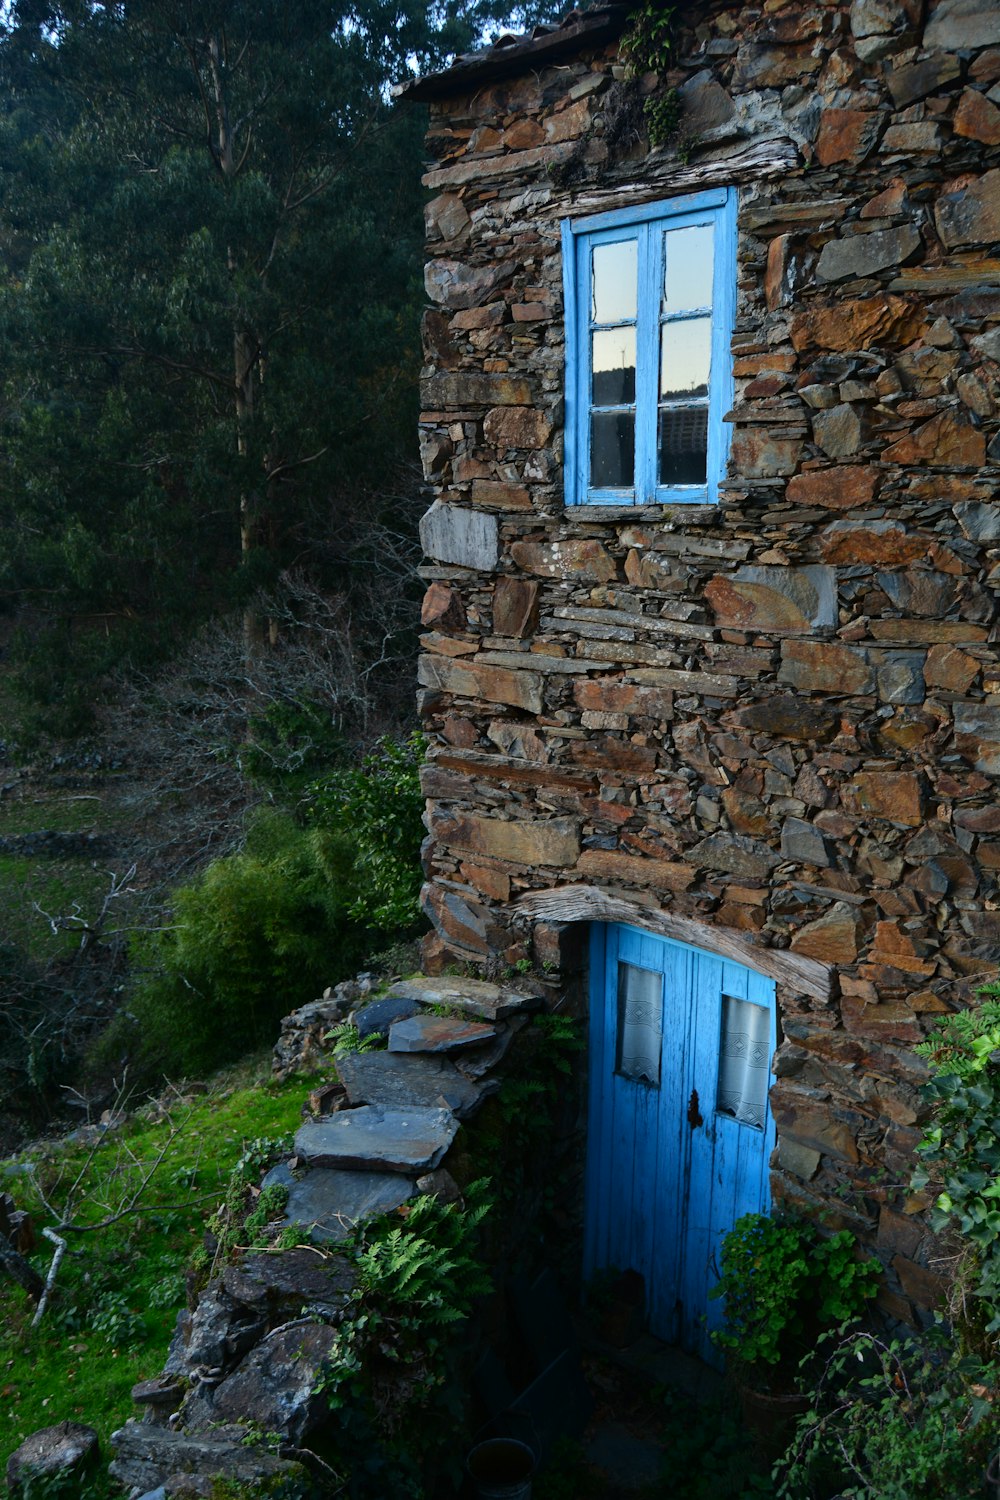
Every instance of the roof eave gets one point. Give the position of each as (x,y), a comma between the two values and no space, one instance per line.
(599,25)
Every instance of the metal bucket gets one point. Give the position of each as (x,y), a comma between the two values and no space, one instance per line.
(501,1469)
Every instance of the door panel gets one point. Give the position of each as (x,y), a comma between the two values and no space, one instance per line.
(668,1171)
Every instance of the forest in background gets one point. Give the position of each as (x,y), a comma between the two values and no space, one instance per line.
(210,293)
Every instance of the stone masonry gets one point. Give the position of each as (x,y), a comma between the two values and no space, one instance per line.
(778,717)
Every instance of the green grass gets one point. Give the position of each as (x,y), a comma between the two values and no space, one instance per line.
(119,1294)
(58,886)
(67,812)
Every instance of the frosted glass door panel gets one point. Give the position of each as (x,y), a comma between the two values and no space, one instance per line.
(640,1024)
(744,1061)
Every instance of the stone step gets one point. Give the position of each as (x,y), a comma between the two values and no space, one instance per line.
(330,1202)
(438,1034)
(397,1080)
(477,1061)
(143,1454)
(388,1140)
(376,1018)
(477,997)
(280,1285)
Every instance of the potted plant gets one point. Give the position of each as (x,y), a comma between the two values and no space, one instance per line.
(785,1283)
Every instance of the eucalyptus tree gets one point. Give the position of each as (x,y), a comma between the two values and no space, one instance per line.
(210,237)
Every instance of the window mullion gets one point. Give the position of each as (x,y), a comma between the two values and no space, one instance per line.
(647,363)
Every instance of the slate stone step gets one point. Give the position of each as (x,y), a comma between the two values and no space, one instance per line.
(476,1061)
(276,1389)
(396,1080)
(280,1285)
(330,1202)
(388,1140)
(438,1034)
(376,1018)
(477,997)
(143,1454)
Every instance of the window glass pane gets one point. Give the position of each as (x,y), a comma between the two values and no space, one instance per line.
(744,1061)
(683,444)
(685,358)
(612,450)
(614,367)
(640,1024)
(615,280)
(687,268)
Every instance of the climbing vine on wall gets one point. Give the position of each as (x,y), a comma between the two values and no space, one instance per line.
(648,47)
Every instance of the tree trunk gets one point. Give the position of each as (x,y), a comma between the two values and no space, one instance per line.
(246,350)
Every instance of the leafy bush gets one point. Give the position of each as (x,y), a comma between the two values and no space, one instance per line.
(261,932)
(893,1421)
(785,1282)
(254,936)
(381,805)
(961,1152)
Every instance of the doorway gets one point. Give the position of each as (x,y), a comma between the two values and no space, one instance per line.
(679,1128)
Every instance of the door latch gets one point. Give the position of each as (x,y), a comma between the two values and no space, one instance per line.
(693,1112)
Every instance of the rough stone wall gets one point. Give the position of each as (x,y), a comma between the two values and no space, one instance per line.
(780,715)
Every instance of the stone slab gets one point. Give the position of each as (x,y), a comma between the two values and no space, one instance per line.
(478,1061)
(467,538)
(956,24)
(277,1387)
(387,1140)
(490,1002)
(144,1453)
(376,1018)
(556,1405)
(396,1080)
(287,1281)
(631,1463)
(977,734)
(330,1202)
(52,1451)
(438,1034)
(774,598)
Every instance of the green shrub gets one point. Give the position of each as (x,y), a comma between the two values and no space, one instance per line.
(893,1421)
(396,1382)
(261,932)
(254,936)
(785,1282)
(961,1156)
(380,804)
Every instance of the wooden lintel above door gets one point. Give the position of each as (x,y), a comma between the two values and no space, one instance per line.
(589,903)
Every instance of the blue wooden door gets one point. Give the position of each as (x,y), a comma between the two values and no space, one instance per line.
(679,1129)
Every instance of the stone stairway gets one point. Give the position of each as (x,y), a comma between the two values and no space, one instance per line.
(255,1344)
(401,1107)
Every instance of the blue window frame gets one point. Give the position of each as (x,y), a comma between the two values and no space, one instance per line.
(650,296)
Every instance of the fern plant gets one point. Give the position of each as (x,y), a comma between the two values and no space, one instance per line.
(345,1038)
(426,1269)
(389,1382)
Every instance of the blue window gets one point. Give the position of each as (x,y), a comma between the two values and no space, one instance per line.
(650,295)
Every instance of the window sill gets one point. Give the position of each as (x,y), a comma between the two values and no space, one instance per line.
(678,511)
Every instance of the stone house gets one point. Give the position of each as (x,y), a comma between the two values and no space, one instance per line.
(710,671)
